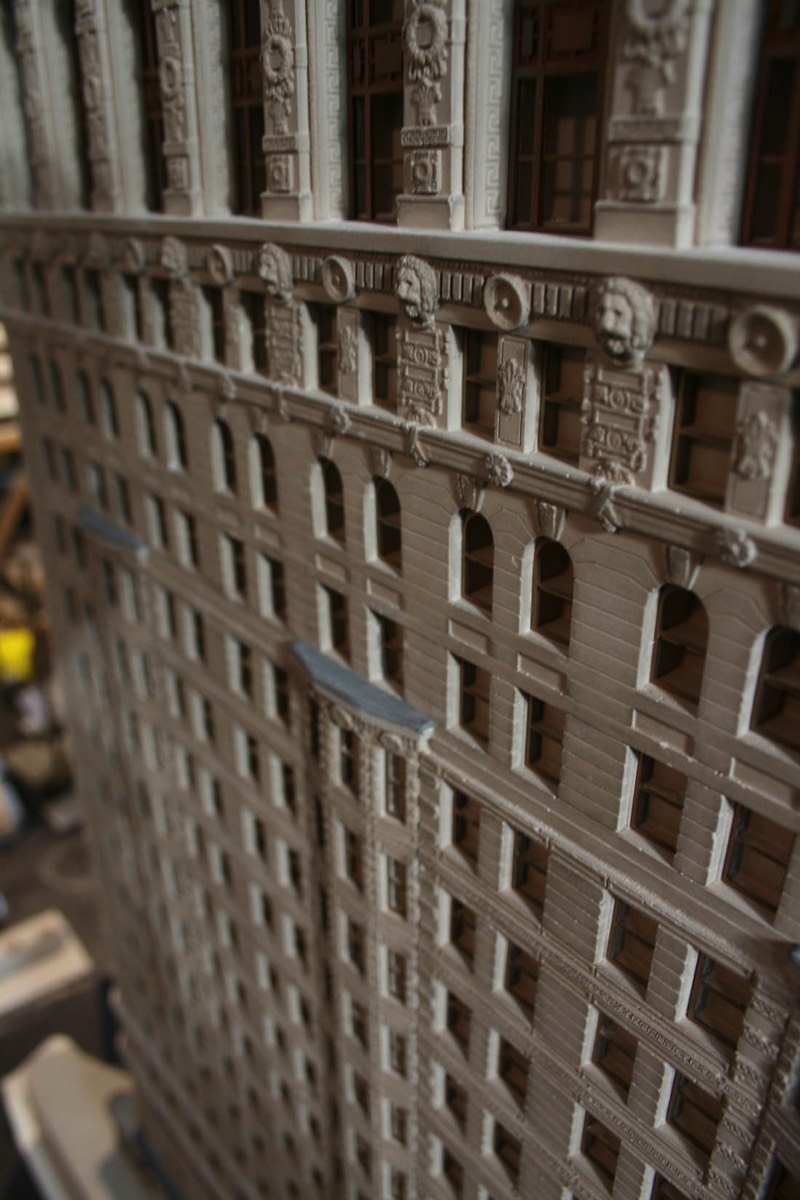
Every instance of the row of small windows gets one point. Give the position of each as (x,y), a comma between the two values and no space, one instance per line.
(679,649)
(758,854)
(679,641)
(704,440)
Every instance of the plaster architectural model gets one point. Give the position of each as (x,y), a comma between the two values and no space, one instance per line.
(408,393)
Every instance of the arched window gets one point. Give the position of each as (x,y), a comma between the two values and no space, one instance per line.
(776,710)
(223,453)
(264,474)
(146,428)
(108,406)
(334,500)
(177,453)
(679,650)
(551,607)
(477,559)
(388,534)
(85,399)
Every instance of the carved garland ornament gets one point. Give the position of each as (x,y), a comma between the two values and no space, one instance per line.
(658,37)
(756,446)
(426,41)
(277,60)
(511,379)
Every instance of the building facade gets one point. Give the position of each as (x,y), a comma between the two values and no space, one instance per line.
(410,395)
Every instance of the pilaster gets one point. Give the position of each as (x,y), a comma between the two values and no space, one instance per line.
(488,93)
(433,130)
(91,30)
(658,63)
(286,140)
(36,102)
(182,196)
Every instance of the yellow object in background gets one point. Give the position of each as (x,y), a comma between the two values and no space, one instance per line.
(16,655)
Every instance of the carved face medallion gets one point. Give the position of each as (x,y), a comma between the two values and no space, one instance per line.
(615,326)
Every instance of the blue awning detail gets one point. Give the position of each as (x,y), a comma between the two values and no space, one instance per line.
(357,693)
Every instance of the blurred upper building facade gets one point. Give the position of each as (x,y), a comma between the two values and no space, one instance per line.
(669,124)
(411,402)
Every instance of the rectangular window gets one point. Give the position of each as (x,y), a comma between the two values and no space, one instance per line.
(254,306)
(631,942)
(397,1053)
(154,135)
(247,97)
(557,85)
(772,196)
(354,859)
(216,317)
(601,1147)
(280,691)
(508,1149)
(396,975)
(759,852)
(399,1124)
(455,1099)
(395,786)
(463,926)
(133,305)
(459,1021)
(465,827)
(349,749)
(272,587)
(719,1000)
(396,886)
(512,1068)
(521,978)
(562,396)
(92,300)
(474,695)
(391,649)
(480,381)
(161,300)
(383,330)
(529,871)
(188,549)
(338,626)
(776,710)
(543,736)
(695,1113)
(235,567)
(356,946)
(375,98)
(157,514)
(658,803)
(327,349)
(704,432)
(614,1052)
